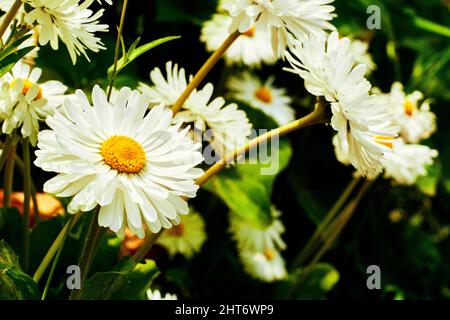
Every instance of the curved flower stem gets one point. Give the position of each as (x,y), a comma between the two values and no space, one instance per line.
(20,165)
(88,252)
(204,70)
(54,247)
(319,115)
(334,230)
(26,202)
(5,149)
(116,52)
(56,260)
(9,175)
(10,16)
(314,242)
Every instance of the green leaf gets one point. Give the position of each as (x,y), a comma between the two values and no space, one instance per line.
(8,62)
(134,53)
(11,228)
(428,25)
(125,282)
(428,184)
(314,285)
(14,283)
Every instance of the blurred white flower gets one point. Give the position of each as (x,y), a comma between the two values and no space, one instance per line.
(360,50)
(267,265)
(24,101)
(252,48)
(365,128)
(70,20)
(414,117)
(226,127)
(156,295)
(136,166)
(273,101)
(408,162)
(185,238)
(256,238)
(285,19)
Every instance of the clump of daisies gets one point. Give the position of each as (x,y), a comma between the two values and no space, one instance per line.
(71,21)
(262,95)
(223,125)
(252,48)
(287,20)
(365,129)
(259,247)
(412,113)
(185,238)
(137,166)
(24,101)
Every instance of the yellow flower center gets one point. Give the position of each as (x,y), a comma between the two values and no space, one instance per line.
(384,140)
(176,231)
(264,94)
(409,107)
(27,84)
(249,33)
(123,154)
(269,254)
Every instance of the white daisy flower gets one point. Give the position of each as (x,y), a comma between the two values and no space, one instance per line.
(137,167)
(416,120)
(360,50)
(185,238)
(267,265)
(255,238)
(252,48)
(156,295)
(285,19)
(225,127)
(70,20)
(24,101)
(365,127)
(408,162)
(273,101)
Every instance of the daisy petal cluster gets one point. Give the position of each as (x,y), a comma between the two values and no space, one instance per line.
(24,101)
(262,95)
(259,247)
(359,49)
(285,19)
(72,21)
(252,48)
(137,166)
(224,125)
(185,238)
(156,295)
(408,162)
(365,129)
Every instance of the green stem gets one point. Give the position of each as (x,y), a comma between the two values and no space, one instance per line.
(146,246)
(20,165)
(10,16)
(315,240)
(56,260)
(26,203)
(116,52)
(54,247)
(9,176)
(5,150)
(88,252)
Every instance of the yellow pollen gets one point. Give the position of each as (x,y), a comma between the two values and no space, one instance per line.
(27,84)
(409,107)
(269,254)
(250,32)
(176,231)
(123,154)
(384,140)
(264,94)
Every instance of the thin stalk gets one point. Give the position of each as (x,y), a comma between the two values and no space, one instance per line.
(26,203)
(88,252)
(56,260)
(10,16)
(20,165)
(319,115)
(9,175)
(54,247)
(146,246)
(5,150)
(204,70)
(117,50)
(314,241)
